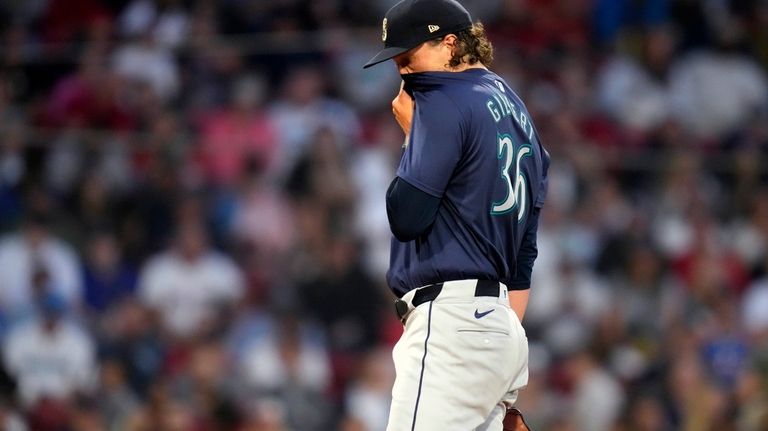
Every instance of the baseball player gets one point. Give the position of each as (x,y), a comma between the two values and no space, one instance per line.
(464,210)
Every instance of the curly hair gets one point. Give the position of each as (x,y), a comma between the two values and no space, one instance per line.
(472,46)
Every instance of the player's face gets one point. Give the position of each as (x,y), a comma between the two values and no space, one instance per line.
(430,56)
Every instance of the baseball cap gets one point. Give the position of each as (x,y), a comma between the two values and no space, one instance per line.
(410,23)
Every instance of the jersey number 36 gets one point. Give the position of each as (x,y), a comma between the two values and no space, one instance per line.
(515,190)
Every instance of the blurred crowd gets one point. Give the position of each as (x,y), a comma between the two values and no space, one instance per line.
(193,233)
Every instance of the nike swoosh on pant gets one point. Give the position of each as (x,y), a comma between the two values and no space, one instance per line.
(478,315)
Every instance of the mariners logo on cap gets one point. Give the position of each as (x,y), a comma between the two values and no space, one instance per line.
(384,30)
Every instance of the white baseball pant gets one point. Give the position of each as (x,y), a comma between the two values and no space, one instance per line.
(459,363)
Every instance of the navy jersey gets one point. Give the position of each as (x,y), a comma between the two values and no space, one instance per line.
(474,146)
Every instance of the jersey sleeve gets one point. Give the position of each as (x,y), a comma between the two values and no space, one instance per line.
(410,211)
(435,144)
(521,279)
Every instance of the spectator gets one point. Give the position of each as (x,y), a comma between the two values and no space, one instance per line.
(303,110)
(637,94)
(290,353)
(132,340)
(117,402)
(372,169)
(166,20)
(208,388)
(167,141)
(646,413)
(598,397)
(239,134)
(732,87)
(146,62)
(107,278)
(750,234)
(161,413)
(49,356)
(267,415)
(343,297)
(291,363)
(214,66)
(89,98)
(542,406)
(42,264)
(321,173)
(190,282)
(754,303)
(369,395)
(262,218)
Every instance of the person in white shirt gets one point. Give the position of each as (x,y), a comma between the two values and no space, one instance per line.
(33,250)
(290,363)
(189,283)
(50,356)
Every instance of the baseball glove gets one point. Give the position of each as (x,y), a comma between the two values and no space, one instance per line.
(514,421)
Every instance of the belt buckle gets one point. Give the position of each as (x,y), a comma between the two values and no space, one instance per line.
(401,308)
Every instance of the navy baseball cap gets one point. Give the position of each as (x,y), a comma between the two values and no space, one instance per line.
(410,23)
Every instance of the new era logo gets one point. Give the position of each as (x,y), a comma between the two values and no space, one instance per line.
(384,30)
(433,28)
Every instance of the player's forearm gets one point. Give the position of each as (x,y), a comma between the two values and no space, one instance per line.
(518,301)
(410,211)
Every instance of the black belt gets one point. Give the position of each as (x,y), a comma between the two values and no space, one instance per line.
(430,293)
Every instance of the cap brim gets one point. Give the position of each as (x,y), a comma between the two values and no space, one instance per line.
(384,55)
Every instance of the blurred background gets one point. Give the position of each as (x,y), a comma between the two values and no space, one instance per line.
(193,233)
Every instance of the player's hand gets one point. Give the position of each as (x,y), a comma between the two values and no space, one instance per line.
(402,107)
(514,421)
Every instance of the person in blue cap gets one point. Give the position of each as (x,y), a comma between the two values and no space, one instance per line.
(464,211)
